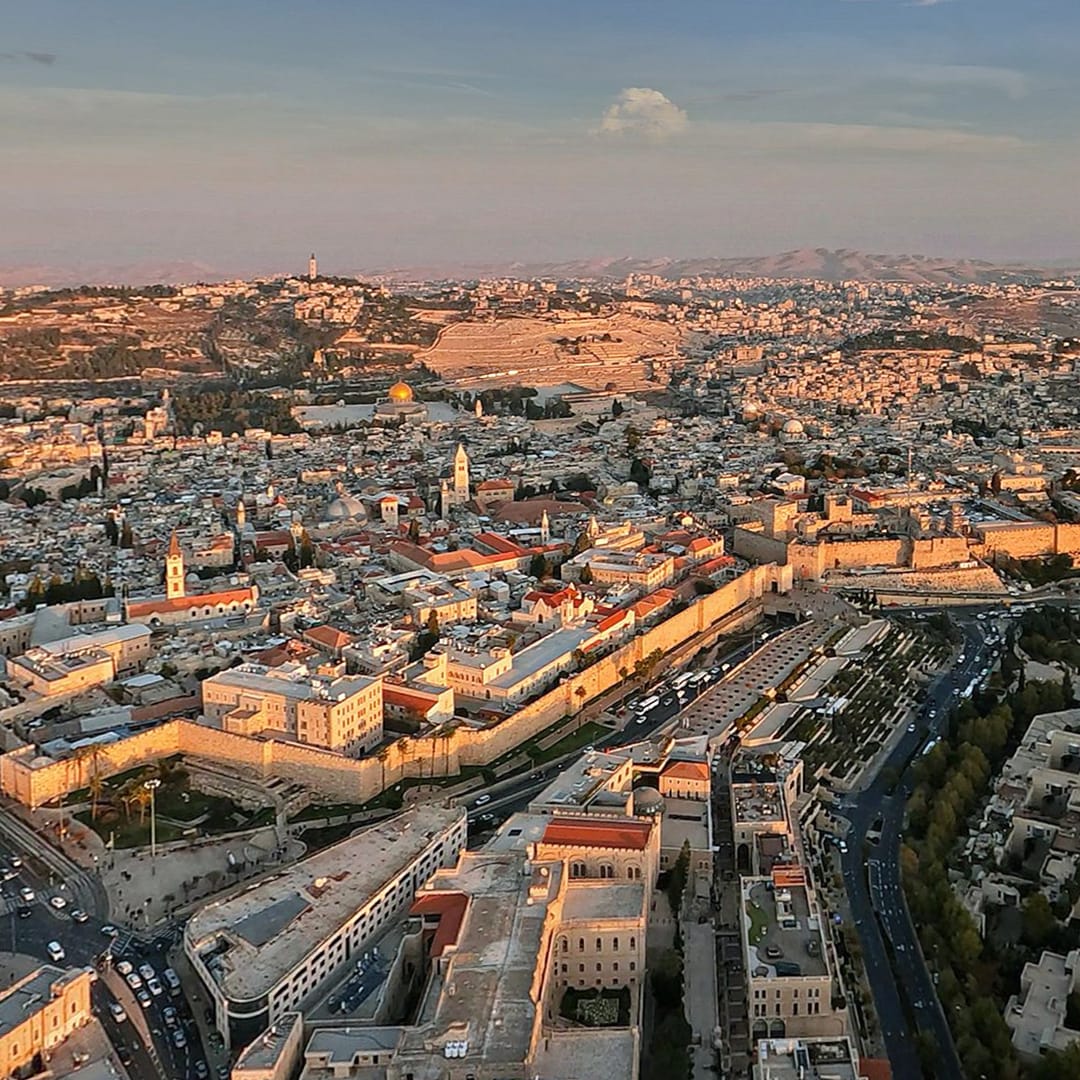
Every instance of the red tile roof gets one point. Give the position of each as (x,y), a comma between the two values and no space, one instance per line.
(598,832)
(450,907)
(138,608)
(687,770)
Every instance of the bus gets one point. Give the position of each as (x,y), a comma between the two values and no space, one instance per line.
(699,678)
(650,703)
(681,680)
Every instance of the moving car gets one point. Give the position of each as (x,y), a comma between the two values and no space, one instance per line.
(56,951)
(79,916)
(117,1011)
(169,1015)
(179,1039)
(483,799)
(57,902)
(27,894)
(202,1071)
(110,931)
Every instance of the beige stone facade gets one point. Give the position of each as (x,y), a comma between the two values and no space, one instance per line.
(39,1012)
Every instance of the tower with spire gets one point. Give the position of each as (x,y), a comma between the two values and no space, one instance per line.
(174,569)
(461,476)
(312,267)
(545,529)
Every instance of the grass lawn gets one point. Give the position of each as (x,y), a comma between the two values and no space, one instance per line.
(597,1008)
(584,735)
(758,923)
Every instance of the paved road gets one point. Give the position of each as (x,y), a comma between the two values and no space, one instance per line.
(28,927)
(904,994)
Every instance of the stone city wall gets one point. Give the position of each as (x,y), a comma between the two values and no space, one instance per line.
(351,780)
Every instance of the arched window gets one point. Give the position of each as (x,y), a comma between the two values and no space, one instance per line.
(599,944)
(564,945)
(615,944)
(580,944)
(633,943)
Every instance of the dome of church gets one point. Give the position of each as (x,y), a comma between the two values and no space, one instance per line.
(344,507)
(401,392)
(793,427)
(648,801)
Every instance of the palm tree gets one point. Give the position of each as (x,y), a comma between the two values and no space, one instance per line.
(141,798)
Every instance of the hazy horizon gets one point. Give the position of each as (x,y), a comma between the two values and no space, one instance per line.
(241,137)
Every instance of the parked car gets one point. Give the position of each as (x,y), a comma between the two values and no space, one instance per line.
(169,1015)
(146,971)
(57,902)
(133,980)
(110,931)
(79,916)
(172,981)
(154,986)
(56,951)
(124,967)
(202,1071)
(144,999)
(179,1039)
(482,800)
(117,1011)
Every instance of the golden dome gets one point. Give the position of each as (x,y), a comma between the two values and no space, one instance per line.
(400,392)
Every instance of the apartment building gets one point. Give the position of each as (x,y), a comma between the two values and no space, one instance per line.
(262,952)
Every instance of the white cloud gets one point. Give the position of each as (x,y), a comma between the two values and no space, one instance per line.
(639,110)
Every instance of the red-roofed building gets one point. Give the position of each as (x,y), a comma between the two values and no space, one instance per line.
(441,914)
(685,780)
(328,639)
(553,609)
(410,707)
(615,848)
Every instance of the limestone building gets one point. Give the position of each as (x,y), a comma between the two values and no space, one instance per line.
(343,714)
(39,1012)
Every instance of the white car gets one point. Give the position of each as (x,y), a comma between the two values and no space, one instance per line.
(133,980)
(146,971)
(482,800)
(57,902)
(155,987)
(117,1011)
(27,894)
(124,967)
(56,951)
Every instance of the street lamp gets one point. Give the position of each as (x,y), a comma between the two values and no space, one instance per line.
(152,786)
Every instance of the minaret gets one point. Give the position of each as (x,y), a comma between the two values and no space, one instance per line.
(241,515)
(478,408)
(545,529)
(461,475)
(312,268)
(174,570)
(444,499)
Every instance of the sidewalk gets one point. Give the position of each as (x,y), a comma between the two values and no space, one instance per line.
(215,1053)
(699,976)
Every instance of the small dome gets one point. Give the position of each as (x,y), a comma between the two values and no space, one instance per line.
(345,507)
(793,427)
(647,800)
(401,392)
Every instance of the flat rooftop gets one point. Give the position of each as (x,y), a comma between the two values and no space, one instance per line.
(757,802)
(591,900)
(582,780)
(269,928)
(485,998)
(265,1052)
(21,1001)
(685,820)
(806,1059)
(595,1052)
(781,929)
(291,683)
(546,651)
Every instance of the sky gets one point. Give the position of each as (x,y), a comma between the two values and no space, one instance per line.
(242,134)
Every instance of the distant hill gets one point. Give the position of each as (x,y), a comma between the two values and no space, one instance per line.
(823,264)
